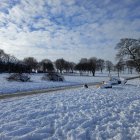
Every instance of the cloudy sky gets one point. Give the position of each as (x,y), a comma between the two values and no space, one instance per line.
(71,29)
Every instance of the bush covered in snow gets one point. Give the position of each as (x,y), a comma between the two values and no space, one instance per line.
(19,77)
(52,76)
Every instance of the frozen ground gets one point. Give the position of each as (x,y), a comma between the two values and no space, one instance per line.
(37,83)
(78,114)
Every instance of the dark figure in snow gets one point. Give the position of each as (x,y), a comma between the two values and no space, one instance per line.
(85,86)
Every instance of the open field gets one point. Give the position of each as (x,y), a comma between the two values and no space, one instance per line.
(38,84)
(76,114)
(70,114)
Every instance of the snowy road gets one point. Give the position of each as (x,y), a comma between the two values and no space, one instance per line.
(48,90)
(77,114)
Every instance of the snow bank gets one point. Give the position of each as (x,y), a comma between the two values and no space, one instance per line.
(80,114)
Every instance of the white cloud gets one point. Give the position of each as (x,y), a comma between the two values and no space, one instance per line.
(66,28)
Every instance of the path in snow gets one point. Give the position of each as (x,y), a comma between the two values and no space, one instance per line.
(78,114)
(48,90)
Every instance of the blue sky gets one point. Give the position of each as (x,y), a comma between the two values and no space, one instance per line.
(71,29)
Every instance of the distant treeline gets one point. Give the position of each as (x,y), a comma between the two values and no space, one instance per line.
(11,64)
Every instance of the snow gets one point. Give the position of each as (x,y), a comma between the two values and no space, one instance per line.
(37,83)
(134,82)
(76,114)
(106,85)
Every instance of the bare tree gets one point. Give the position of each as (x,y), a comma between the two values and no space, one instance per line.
(92,65)
(72,66)
(119,66)
(60,64)
(87,65)
(130,66)
(100,64)
(2,55)
(109,66)
(66,66)
(9,63)
(31,62)
(129,49)
(79,67)
(47,65)
(82,66)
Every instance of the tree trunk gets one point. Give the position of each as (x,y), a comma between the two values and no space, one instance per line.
(93,73)
(118,73)
(101,71)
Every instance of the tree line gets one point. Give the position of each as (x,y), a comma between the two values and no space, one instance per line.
(128,57)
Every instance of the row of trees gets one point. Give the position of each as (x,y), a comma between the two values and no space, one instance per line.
(9,63)
(128,57)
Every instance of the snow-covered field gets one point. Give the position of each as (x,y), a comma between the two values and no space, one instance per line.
(77,114)
(37,83)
